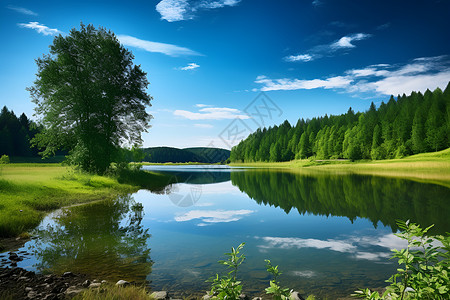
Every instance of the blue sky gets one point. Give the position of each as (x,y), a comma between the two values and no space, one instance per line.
(209,60)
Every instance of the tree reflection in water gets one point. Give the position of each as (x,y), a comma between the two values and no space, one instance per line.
(104,240)
(378,199)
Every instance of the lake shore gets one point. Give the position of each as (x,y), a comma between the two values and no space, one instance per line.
(30,191)
(427,167)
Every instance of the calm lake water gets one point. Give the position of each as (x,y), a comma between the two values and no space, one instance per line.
(329,234)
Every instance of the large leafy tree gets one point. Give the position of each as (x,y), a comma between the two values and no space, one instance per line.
(91,98)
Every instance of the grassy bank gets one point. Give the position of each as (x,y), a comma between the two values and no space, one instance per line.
(428,167)
(28,191)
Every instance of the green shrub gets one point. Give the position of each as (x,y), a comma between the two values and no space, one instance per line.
(425,267)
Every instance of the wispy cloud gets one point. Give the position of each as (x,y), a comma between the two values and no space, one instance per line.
(346,41)
(418,75)
(179,10)
(331,49)
(190,66)
(317,3)
(22,10)
(167,49)
(40,28)
(202,105)
(203,125)
(299,57)
(363,247)
(212,113)
(298,84)
(208,217)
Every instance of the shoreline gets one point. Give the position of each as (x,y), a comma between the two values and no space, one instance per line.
(431,168)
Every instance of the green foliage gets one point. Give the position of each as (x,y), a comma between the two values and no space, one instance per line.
(378,199)
(227,286)
(277,292)
(411,124)
(425,267)
(91,98)
(113,292)
(15,134)
(4,160)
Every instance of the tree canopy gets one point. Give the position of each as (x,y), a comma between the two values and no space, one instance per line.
(403,126)
(90,97)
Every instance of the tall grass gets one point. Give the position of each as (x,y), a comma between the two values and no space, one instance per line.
(112,292)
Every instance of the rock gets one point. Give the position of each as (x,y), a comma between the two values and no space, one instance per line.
(256,298)
(50,297)
(23,278)
(28,289)
(244,297)
(122,283)
(72,291)
(68,274)
(296,296)
(32,295)
(159,295)
(104,282)
(86,283)
(14,257)
(95,285)
(207,297)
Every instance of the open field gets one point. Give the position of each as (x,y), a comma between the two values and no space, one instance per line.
(28,191)
(426,167)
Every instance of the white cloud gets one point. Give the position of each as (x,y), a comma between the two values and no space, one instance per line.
(179,10)
(203,125)
(190,66)
(317,3)
(300,57)
(213,216)
(167,49)
(40,28)
(289,242)
(212,113)
(202,105)
(22,10)
(346,41)
(173,10)
(382,79)
(297,84)
(357,247)
(319,51)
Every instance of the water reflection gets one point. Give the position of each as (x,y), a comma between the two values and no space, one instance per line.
(104,240)
(378,199)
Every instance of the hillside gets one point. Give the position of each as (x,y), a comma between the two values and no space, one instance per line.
(175,155)
(408,125)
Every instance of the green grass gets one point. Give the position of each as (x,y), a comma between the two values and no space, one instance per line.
(426,167)
(112,292)
(29,191)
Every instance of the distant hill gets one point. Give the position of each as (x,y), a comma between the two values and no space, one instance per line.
(175,155)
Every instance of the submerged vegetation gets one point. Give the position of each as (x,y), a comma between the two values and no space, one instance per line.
(409,125)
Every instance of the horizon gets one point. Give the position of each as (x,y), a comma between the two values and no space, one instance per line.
(209,61)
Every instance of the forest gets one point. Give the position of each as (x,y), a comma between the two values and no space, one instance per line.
(404,126)
(16,133)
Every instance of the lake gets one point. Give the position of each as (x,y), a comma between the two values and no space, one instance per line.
(329,233)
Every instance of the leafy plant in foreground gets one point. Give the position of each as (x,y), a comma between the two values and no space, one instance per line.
(426,267)
(228,287)
(275,289)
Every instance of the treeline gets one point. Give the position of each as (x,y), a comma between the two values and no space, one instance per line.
(16,133)
(409,125)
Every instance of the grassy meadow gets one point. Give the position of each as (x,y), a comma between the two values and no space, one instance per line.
(427,167)
(29,191)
